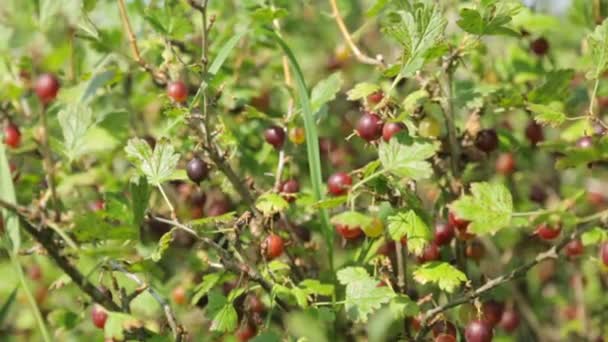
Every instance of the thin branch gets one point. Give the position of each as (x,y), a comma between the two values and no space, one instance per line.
(124,17)
(229,261)
(551,253)
(363,58)
(45,237)
(178,331)
(47,162)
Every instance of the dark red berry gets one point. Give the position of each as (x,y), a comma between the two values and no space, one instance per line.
(99,316)
(540,46)
(275,136)
(444,327)
(178,91)
(375,97)
(391,128)
(492,312)
(430,253)
(604,253)
(46,88)
(505,163)
(585,142)
(445,338)
(538,194)
(534,133)
(197,170)
(289,188)
(347,232)
(478,331)
(274,246)
(475,251)
(444,233)
(254,304)
(338,183)
(547,232)
(217,207)
(457,222)
(12,135)
(369,127)
(575,248)
(486,140)
(510,320)
(245,332)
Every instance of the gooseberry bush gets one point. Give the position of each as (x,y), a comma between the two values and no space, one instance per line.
(280,170)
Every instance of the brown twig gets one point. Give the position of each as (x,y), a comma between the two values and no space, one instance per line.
(361,57)
(159,77)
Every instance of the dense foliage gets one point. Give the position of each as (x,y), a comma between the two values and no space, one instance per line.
(284,170)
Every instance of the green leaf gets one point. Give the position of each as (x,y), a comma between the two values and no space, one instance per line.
(546,115)
(598,44)
(265,15)
(97,81)
(75,122)
(409,224)
(7,193)
(418,31)
(312,138)
(362,90)
(490,19)
(208,282)
(117,323)
(140,194)
(352,220)
(408,161)
(325,91)
(471,21)
(402,306)
(225,218)
(96,226)
(414,100)
(594,236)
(376,8)
(363,296)
(162,246)
(313,286)
(330,203)
(267,336)
(271,203)
(555,87)
(222,312)
(446,276)
(7,304)
(157,165)
(63,318)
(489,208)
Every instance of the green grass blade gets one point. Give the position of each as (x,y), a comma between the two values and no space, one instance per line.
(7,305)
(224,52)
(312,141)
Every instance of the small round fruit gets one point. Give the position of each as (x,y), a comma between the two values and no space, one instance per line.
(274,246)
(97,205)
(289,188)
(338,183)
(375,97)
(46,88)
(534,133)
(348,233)
(444,233)
(275,136)
(254,304)
(604,253)
(430,253)
(475,251)
(217,207)
(486,140)
(596,198)
(35,272)
(197,170)
(177,91)
(505,163)
(539,46)
(179,295)
(538,194)
(575,248)
(457,222)
(245,332)
(369,127)
(444,327)
(429,128)
(12,135)
(585,142)
(510,320)
(492,312)
(297,135)
(547,232)
(478,331)
(391,128)
(375,229)
(99,316)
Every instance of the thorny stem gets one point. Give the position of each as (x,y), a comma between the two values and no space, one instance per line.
(48,162)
